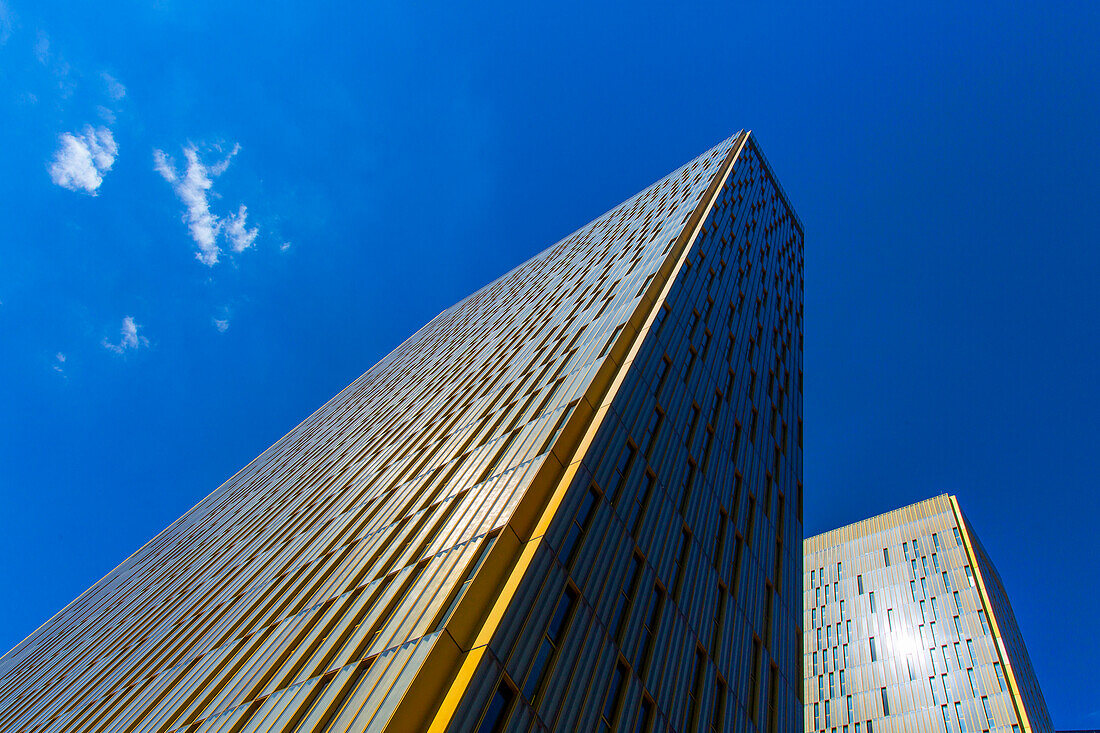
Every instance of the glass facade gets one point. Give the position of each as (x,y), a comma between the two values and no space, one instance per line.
(572,501)
(939,650)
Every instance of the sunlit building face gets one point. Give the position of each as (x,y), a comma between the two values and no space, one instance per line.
(918,625)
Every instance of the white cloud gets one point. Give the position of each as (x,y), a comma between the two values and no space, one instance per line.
(114,87)
(130,339)
(82,159)
(284,246)
(60,360)
(193,186)
(240,236)
(222,324)
(107,115)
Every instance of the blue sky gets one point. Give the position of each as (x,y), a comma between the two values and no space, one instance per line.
(218,215)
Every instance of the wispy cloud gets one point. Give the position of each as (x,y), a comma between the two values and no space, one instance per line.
(55,63)
(222,324)
(130,338)
(59,360)
(193,186)
(114,88)
(239,235)
(82,159)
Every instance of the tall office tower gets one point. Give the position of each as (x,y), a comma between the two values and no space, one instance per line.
(908,628)
(572,501)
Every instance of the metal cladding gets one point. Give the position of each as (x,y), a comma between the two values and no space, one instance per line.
(572,501)
(908,628)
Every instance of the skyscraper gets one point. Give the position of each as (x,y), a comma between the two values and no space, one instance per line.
(572,501)
(908,628)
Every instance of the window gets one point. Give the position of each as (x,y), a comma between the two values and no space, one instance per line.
(681,562)
(614,695)
(718,716)
(645,717)
(988,713)
(958,540)
(936,541)
(874,650)
(859,582)
(959,715)
(970,576)
(638,508)
(946,719)
(871,596)
(497,712)
(719,622)
(981,618)
(622,470)
(1000,676)
(653,431)
(754,681)
(662,372)
(886,555)
(558,427)
(551,641)
(696,690)
(626,597)
(649,631)
(567,553)
(885,703)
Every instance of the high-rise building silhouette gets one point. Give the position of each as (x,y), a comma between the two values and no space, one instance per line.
(908,629)
(572,501)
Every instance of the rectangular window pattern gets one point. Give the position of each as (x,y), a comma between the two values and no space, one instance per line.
(915,661)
